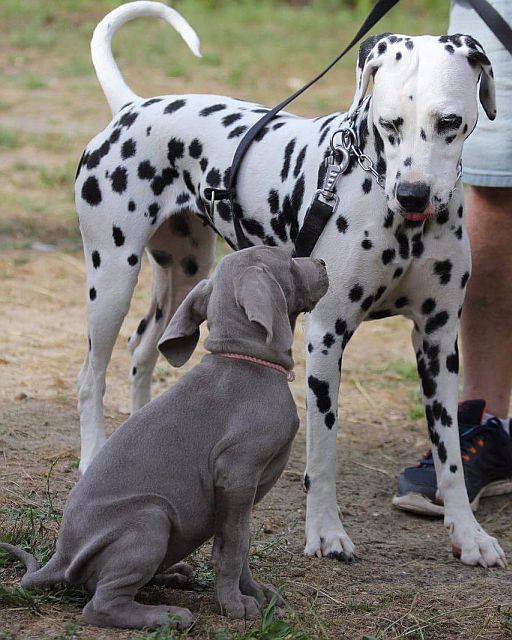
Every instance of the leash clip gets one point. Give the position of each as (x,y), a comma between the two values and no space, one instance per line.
(212,204)
(335,164)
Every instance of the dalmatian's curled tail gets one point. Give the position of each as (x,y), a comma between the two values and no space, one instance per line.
(112,82)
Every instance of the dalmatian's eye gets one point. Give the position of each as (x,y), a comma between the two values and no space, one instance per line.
(387,124)
(448,123)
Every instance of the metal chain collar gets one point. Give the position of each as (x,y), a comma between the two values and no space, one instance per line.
(349,142)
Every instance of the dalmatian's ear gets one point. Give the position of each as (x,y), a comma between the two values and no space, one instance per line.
(487,92)
(180,338)
(368,61)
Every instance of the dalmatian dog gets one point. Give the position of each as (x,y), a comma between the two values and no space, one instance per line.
(394,246)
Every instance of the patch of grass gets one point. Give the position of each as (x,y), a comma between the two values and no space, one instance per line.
(404,370)
(33,525)
(398,371)
(18,597)
(30,81)
(33,599)
(161,373)
(19,261)
(416,409)
(58,177)
(505,619)
(271,628)
(74,464)
(10,138)
(70,632)
(415,412)
(53,141)
(262,552)
(204,578)
(176,70)
(22,166)
(32,528)
(164,633)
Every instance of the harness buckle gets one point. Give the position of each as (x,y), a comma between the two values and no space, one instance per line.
(328,198)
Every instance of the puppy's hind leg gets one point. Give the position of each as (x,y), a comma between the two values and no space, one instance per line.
(130,563)
(181,253)
(177,576)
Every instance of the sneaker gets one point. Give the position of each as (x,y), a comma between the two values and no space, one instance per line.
(486,457)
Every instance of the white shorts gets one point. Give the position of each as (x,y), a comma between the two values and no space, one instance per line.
(487,155)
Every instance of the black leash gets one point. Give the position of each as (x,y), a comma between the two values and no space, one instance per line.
(325,200)
(494,21)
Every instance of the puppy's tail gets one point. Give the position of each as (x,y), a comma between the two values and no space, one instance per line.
(34,576)
(115,88)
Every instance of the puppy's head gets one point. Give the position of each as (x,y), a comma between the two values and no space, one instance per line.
(423,107)
(254,294)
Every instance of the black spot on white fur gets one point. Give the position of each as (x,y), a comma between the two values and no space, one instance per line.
(119,179)
(118,236)
(207,111)
(128,149)
(172,107)
(91,192)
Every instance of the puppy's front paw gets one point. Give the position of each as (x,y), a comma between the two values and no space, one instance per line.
(246,607)
(474,547)
(264,593)
(272,595)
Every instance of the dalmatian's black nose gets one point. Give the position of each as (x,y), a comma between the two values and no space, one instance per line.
(413,196)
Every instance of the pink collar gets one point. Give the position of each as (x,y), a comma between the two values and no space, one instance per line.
(290,375)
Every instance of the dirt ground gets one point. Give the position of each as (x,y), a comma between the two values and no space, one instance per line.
(405,583)
(405,577)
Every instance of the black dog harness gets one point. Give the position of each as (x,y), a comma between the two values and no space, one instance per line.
(325,199)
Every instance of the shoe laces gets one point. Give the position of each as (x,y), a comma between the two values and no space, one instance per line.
(472,437)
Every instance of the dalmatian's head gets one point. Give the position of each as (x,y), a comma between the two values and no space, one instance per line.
(422,109)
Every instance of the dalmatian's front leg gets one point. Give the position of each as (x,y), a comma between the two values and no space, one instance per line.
(325,534)
(437,358)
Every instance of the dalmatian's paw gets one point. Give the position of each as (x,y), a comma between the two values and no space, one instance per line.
(474,547)
(326,537)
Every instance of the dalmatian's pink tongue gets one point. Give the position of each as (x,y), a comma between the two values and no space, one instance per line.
(414,217)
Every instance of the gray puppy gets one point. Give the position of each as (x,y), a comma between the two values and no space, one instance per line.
(192,463)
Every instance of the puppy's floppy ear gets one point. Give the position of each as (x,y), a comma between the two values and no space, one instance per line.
(368,61)
(180,338)
(487,93)
(258,293)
